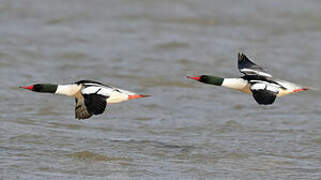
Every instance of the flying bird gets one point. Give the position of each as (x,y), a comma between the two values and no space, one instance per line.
(91,97)
(256,82)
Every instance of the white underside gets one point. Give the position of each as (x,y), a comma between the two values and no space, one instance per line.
(290,87)
(114,95)
(244,86)
(245,70)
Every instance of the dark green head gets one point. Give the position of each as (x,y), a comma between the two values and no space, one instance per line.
(45,88)
(218,81)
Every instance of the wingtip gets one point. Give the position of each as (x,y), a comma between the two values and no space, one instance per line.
(241,56)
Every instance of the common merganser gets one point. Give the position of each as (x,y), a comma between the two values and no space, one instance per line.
(91,97)
(255,82)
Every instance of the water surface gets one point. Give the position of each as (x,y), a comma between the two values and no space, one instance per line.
(186,130)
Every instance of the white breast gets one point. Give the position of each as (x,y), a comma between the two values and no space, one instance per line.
(235,83)
(238,84)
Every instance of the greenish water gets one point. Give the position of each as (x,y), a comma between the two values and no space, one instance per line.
(186,130)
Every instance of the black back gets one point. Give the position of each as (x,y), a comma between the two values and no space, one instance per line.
(91,82)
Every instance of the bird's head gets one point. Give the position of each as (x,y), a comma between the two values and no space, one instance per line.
(218,81)
(46,88)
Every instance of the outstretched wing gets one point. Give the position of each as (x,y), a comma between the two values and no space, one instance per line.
(95,103)
(92,102)
(249,68)
(264,93)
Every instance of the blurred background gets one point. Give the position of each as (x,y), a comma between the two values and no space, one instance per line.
(186,130)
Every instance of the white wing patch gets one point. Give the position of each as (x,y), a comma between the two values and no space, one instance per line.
(97,90)
(114,95)
(90,90)
(261,85)
(249,68)
(252,71)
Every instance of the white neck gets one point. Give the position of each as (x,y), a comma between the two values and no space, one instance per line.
(237,83)
(68,90)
